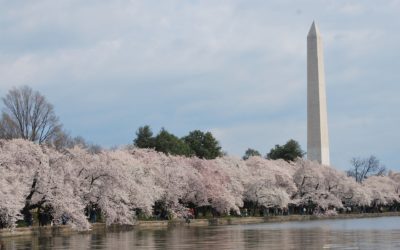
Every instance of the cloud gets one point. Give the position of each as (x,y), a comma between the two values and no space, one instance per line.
(237,68)
(352,8)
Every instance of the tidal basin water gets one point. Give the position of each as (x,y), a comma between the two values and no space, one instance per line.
(372,233)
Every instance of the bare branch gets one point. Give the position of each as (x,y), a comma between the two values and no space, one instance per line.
(28,115)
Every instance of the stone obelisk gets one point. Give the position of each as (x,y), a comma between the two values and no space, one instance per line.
(317,118)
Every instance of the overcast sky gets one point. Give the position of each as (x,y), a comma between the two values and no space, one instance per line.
(235,68)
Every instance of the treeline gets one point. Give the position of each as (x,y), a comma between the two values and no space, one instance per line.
(75,187)
(28,115)
(48,175)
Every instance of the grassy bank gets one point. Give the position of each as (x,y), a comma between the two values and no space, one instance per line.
(143,225)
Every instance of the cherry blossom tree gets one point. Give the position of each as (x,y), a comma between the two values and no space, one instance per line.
(395,177)
(271,184)
(312,187)
(119,184)
(23,168)
(384,190)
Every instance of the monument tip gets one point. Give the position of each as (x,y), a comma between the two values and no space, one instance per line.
(314,31)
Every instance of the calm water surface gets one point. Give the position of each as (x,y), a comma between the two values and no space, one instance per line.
(372,233)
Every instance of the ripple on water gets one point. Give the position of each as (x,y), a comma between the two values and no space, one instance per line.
(371,233)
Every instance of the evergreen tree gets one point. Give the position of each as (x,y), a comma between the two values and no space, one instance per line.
(249,153)
(204,145)
(170,144)
(288,152)
(144,138)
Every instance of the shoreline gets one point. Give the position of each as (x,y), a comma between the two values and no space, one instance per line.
(155,225)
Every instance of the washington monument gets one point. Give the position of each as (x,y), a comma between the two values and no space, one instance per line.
(317,118)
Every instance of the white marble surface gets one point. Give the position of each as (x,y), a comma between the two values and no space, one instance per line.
(317,117)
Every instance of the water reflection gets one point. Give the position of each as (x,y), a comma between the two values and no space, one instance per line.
(374,233)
